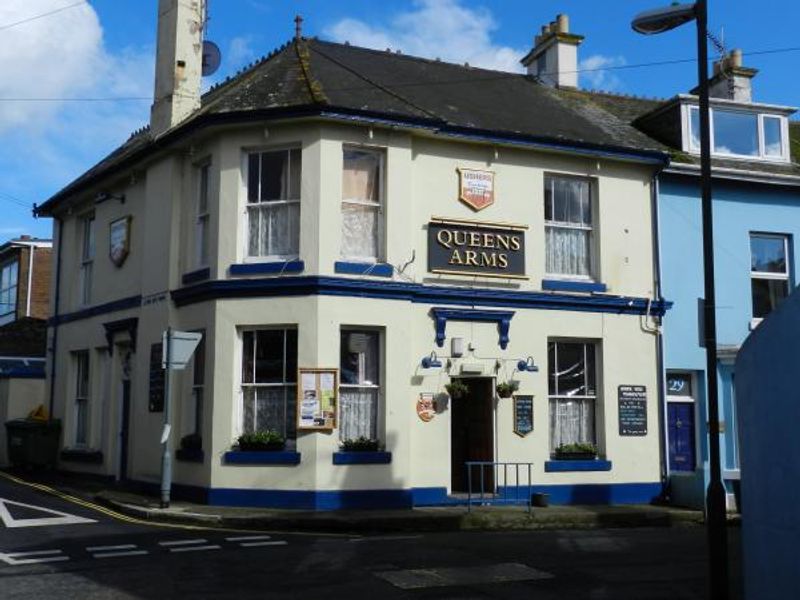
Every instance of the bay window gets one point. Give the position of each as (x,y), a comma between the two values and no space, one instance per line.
(273,203)
(360,384)
(769,272)
(269,381)
(572,385)
(568,226)
(362,204)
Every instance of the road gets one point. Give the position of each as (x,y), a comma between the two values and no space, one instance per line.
(90,554)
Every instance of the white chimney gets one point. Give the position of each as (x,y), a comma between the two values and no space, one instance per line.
(731,80)
(179,63)
(554,58)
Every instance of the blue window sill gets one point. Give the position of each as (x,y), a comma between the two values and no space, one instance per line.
(268,268)
(268,457)
(196,276)
(362,458)
(562,466)
(358,268)
(561,285)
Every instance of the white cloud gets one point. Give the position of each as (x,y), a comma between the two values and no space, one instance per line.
(240,52)
(435,28)
(593,71)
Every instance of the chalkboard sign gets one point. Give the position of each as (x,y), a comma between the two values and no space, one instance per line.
(156,379)
(523,415)
(632,410)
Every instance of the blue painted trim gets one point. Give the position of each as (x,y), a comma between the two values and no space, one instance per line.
(429,496)
(563,466)
(356,268)
(411,292)
(311,500)
(268,268)
(196,276)
(362,458)
(561,285)
(100,309)
(600,493)
(269,457)
(442,315)
(23,373)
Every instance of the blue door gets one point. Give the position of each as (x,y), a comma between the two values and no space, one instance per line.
(680,426)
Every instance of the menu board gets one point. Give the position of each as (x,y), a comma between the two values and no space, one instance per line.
(523,415)
(632,410)
(156,402)
(317,397)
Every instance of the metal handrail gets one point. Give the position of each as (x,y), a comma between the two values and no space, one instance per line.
(505,497)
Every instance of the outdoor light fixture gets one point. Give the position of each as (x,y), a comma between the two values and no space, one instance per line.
(431,361)
(658,21)
(526,364)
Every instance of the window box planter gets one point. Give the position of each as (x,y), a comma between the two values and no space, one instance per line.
(265,457)
(567,466)
(575,455)
(362,458)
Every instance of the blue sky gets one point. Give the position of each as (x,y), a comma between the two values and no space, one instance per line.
(100,49)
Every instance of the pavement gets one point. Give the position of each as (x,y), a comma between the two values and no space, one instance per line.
(146,508)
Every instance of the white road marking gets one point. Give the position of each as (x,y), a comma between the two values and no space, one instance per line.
(61,518)
(182,542)
(256,544)
(194,548)
(385,538)
(107,548)
(247,538)
(44,556)
(33,553)
(124,553)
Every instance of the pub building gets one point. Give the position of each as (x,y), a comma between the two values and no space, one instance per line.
(456,271)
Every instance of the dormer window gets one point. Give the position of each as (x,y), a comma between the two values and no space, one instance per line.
(740,134)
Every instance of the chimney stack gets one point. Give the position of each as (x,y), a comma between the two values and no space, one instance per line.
(731,80)
(179,63)
(554,57)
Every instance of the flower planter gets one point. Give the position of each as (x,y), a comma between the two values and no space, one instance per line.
(277,447)
(575,455)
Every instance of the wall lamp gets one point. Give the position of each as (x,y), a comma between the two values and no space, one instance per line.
(526,364)
(103,196)
(431,361)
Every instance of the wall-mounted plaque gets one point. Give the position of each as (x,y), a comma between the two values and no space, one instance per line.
(469,247)
(632,409)
(317,398)
(476,188)
(426,408)
(119,240)
(156,398)
(523,415)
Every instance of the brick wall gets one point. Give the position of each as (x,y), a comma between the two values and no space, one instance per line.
(40,286)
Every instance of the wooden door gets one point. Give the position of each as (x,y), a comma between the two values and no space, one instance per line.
(472,435)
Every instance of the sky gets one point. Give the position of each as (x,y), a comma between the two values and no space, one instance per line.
(76,76)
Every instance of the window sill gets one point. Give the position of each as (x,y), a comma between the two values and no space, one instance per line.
(363,268)
(81,455)
(268,268)
(573,285)
(562,466)
(190,455)
(267,457)
(362,458)
(196,276)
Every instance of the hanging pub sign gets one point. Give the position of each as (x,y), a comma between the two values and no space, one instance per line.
(119,240)
(632,409)
(469,247)
(523,415)
(317,397)
(476,188)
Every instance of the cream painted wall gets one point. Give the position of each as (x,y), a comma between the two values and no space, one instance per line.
(18,397)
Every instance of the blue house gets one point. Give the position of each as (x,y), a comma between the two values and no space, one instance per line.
(756,206)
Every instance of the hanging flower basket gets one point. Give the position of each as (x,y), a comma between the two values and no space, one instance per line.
(506,389)
(456,390)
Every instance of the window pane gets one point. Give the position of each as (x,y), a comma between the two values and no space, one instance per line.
(282,229)
(552,380)
(360,359)
(361,175)
(198,371)
(567,251)
(548,199)
(694,128)
(767,254)
(81,418)
(773,139)
(360,231)
(253,177)
(560,201)
(291,355)
(248,356)
(274,176)
(679,384)
(269,356)
(571,370)
(591,371)
(735,133)
(294,173)
(767,294)
(359,414)
(202,201)
(571,422)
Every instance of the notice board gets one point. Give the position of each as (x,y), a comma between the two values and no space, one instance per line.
(156,402)
(523,415)
(317,398)
(632,409)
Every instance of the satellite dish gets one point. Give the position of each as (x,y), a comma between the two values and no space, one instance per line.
(211,58)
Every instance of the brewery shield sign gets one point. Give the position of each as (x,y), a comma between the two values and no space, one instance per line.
(469,247)
(476,188)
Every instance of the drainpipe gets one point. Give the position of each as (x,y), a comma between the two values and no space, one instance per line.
(662,391)
(31,250)
(60,224)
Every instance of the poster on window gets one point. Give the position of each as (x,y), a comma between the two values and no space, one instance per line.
(317,397)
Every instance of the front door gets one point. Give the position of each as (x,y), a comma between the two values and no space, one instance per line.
(680,424)
(472,435)
(124,429)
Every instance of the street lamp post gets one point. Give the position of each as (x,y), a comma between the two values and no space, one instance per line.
(658,21)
